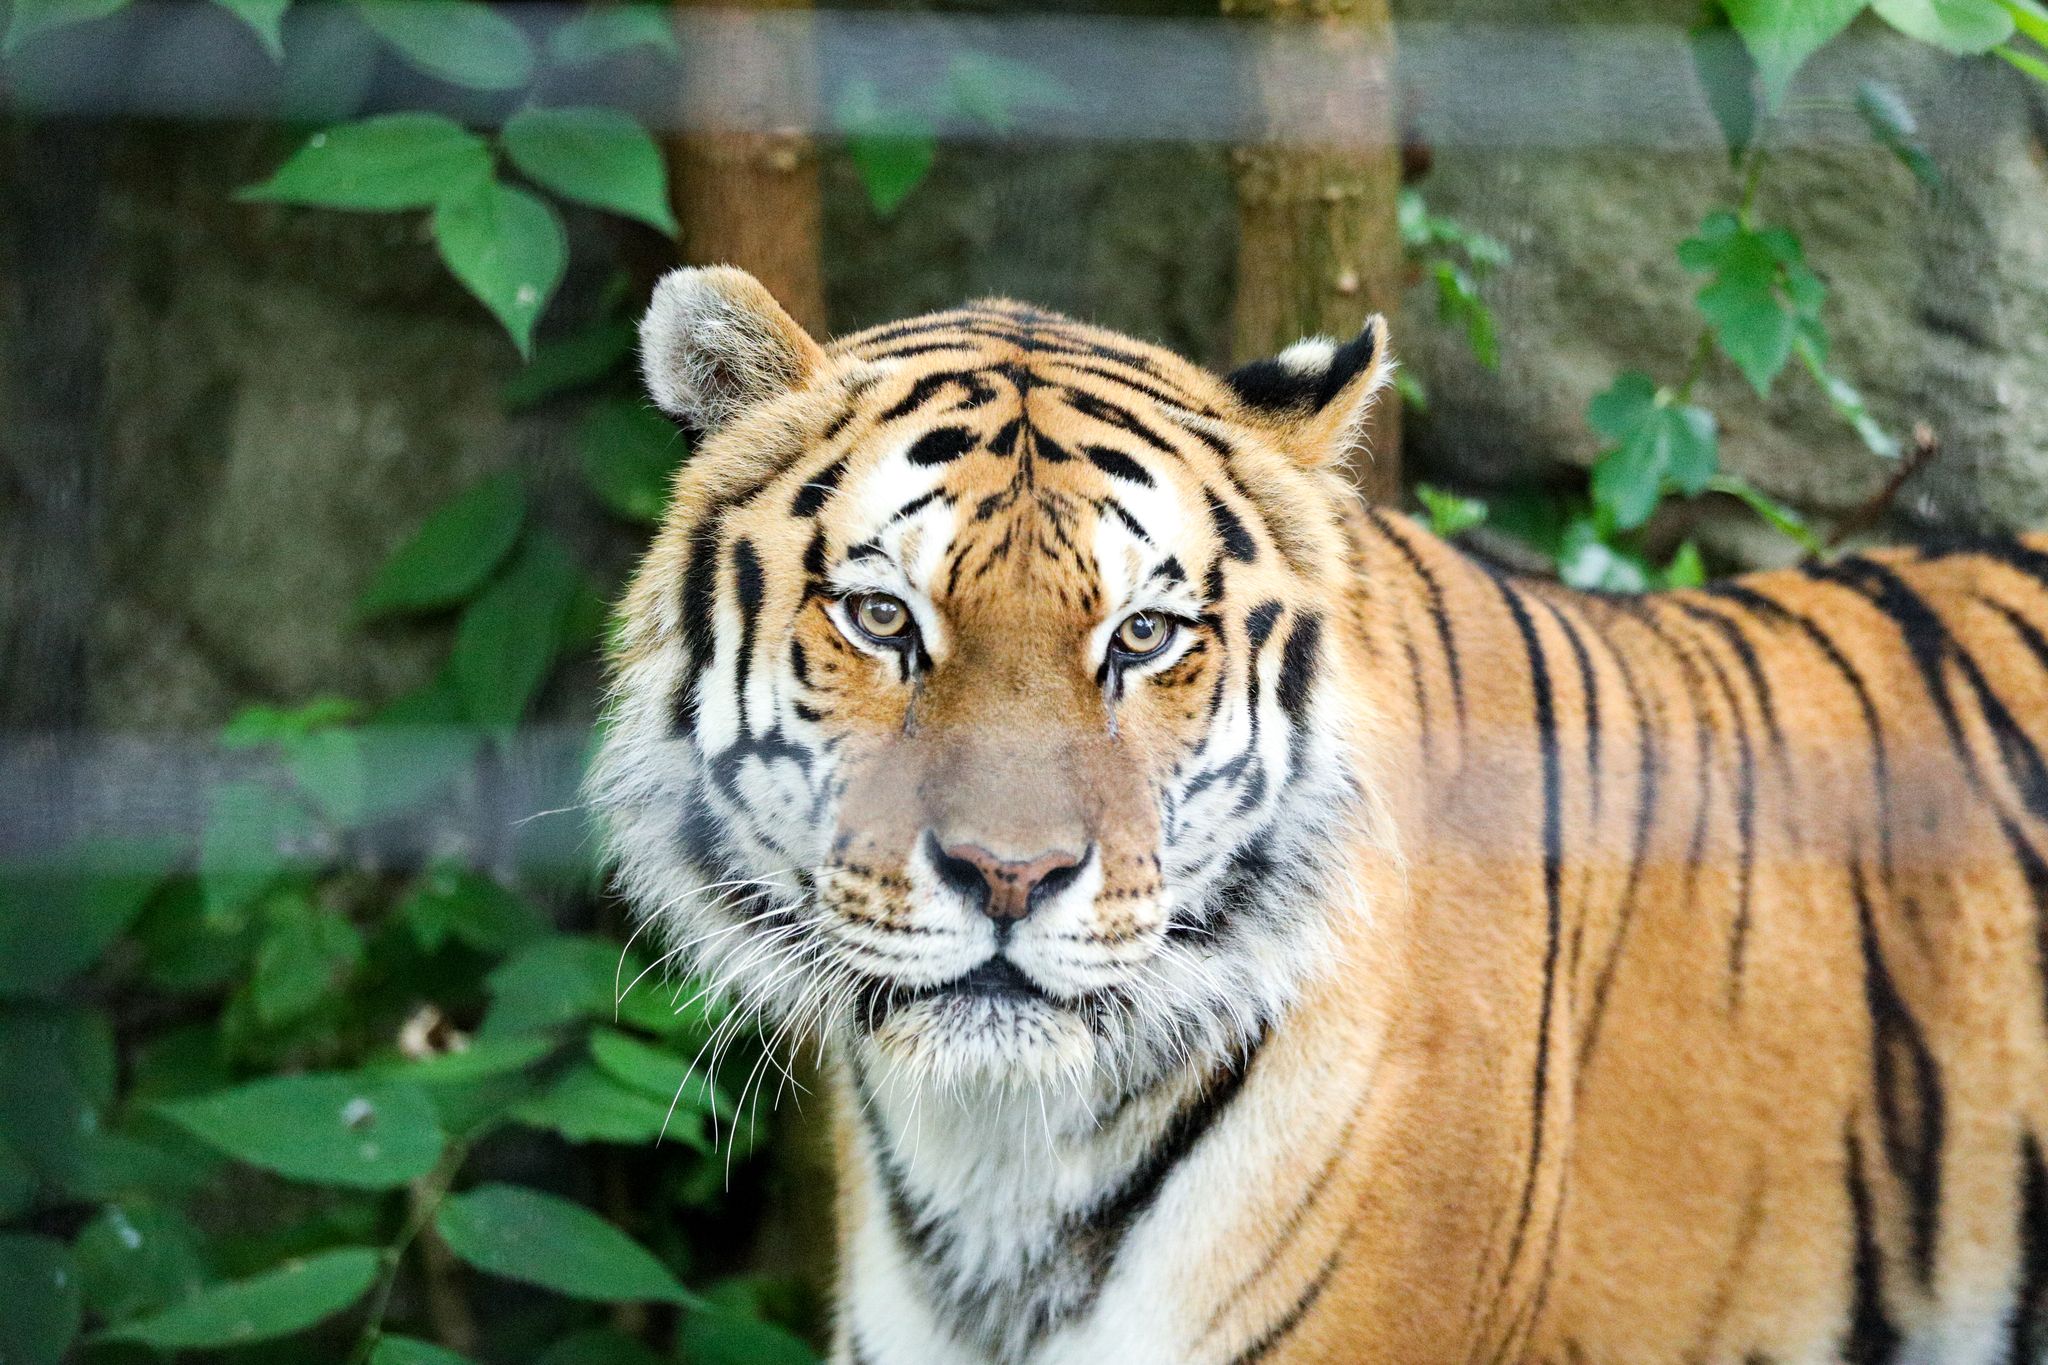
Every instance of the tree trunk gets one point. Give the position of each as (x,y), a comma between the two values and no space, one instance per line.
(747,191)
(1318,245)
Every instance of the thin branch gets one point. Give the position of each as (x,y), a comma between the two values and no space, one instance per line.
(1925,446)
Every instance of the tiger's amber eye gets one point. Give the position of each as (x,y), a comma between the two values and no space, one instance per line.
(1144,633)
(880,615)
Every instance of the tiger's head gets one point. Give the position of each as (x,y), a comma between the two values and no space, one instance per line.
(981,706)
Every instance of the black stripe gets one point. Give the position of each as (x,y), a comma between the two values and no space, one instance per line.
(1298,658)
(1098,1234)
(1439,618)
(816,489)
(1745,817)
(1237,542)
(1871,1337)
(1907,1085)
(1931,646)
(1258,625)
(1545,719)
(2030,1304)
(941,446)
(1649,772)
(1267,1340)
(1117,465)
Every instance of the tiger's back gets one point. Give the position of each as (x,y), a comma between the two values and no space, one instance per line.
(1790,969)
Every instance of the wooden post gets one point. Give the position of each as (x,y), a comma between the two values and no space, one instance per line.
(747,192)
(1319,248)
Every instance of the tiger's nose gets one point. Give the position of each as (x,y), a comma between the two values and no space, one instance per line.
(1006,889)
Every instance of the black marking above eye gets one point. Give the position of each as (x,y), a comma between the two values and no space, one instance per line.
(941,446)
(1237,542)
(1117,465)
(812,495)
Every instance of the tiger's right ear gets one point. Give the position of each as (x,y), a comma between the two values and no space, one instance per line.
(715,343)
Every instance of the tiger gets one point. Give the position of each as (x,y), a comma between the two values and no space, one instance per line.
(1240,926)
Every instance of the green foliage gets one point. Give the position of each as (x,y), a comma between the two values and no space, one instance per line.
(593,156)
(1760,296)
(608,30)
(538,1239)
(315,1053)
(629,454)
(460,41)
(508,248)
(380,165)
(276,1303)
(1891,121)
(449,557)
(265,19)
(1458,259)
(892,137)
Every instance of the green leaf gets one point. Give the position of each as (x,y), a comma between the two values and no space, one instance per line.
(456,40)
(1967,28)
(1761,291)
(39,1287)
(1782,34)
(253,834)
(990,88)
(597,1346)
(55,921)
(559,980)
(605,31)
(1450,513)
(892,148)
(31,17)
(658,1073)
(1891,122)
(449,557)
(535,1238)
(569,363)
(395,161)
(330,768)
(410,1351)
(506,642)
(1590,563)
(451,901)
(594,156)
(482,1059)
(585,1105)
(1787,521)
(1727,75)
(136,1258)
(630,453)
(723,1338)
(1620,411)
(1657,446)
(2025,61)
(1847,401)
(2029,16)
(187,950)
(1686,569)
(508,248)
(255,726)
(307,952)
(276,1303)
(265,17)
(358,1131)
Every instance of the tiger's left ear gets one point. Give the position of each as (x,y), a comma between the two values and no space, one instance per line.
(1315,396)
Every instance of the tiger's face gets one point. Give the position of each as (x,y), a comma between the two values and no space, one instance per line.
(974,707)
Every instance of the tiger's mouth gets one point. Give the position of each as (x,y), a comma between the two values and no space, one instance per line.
(996,984)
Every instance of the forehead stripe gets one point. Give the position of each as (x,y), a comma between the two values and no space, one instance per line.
(941,446)
(1237,542)
(1117,465)
(816,489)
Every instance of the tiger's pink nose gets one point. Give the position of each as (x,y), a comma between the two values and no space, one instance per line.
(1006,889)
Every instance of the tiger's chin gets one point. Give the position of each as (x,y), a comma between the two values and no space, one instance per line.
(960,1037)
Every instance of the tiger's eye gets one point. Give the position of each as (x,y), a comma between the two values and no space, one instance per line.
(1144,633)
(880,615)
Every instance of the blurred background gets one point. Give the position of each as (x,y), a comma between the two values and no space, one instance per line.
(322,456)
